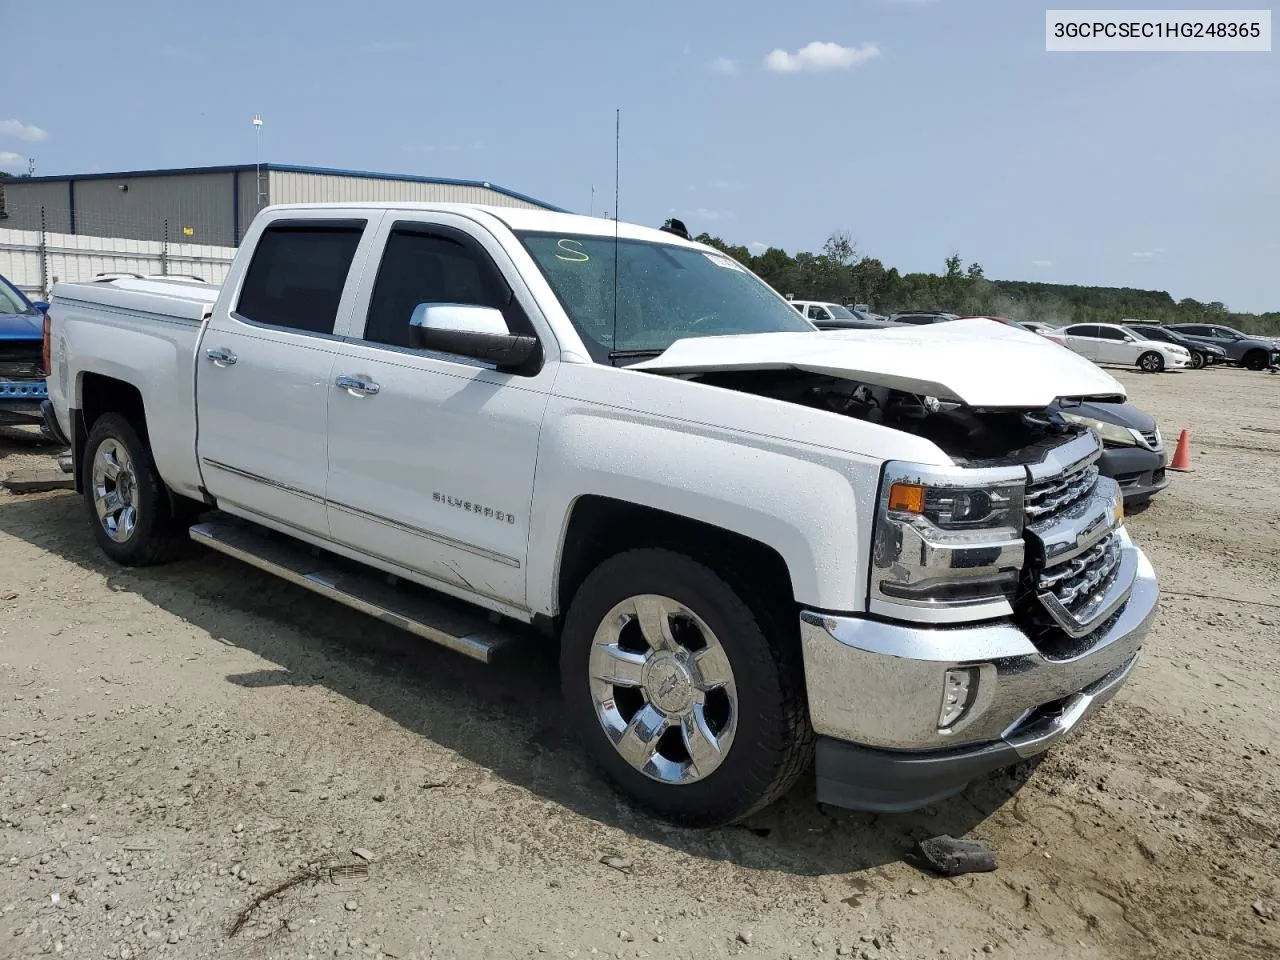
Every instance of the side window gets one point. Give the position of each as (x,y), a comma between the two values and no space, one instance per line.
(1195,331)
(816,312)
(424,264)
(297,273)
(1079,330)
(1109,333)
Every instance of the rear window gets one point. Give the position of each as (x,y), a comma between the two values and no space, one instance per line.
(297,274)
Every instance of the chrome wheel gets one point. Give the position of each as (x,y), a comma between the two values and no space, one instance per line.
(663,689)
(115,490)
(1151,362)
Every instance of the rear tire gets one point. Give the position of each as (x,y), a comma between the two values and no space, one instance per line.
(1151,362)
(126,500)
(1256,360)
(632,698)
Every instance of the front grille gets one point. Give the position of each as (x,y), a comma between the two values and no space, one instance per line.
(1081,578)
(1063,595)
(1047,499)
(1151,438)
(21,351)
(26,370)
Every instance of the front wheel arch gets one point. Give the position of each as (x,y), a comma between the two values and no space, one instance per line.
(1151,362)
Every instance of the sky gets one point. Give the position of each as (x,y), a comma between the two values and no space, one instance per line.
(920,127)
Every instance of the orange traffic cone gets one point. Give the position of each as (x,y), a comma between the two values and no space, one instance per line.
(1182,454)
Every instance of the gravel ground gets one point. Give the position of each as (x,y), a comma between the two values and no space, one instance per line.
(177,744)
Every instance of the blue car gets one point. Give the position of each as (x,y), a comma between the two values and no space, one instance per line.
(22,388)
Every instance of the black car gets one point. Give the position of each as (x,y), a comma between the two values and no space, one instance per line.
(1202,354)
(1133,451)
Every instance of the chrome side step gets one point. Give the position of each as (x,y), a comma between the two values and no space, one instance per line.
(411,609)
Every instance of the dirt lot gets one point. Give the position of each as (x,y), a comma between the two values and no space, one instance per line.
(176,742)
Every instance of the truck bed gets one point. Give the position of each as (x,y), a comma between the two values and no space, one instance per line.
(143,332)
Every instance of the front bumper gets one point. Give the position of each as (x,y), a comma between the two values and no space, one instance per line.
(876,690)
(1139,471)
(20,401)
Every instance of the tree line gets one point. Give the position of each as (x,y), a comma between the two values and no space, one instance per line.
(840,273)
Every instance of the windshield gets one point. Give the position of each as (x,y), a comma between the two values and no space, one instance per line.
(11,301)
(1136,334)
(841,313)
(664,293)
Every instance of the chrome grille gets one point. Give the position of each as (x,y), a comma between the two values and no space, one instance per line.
(1045,499)
(1077,581)
(1151,438)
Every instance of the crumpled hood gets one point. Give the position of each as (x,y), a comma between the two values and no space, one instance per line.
(978,362)
(20,326)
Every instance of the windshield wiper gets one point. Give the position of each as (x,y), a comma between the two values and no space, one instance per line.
(635,354)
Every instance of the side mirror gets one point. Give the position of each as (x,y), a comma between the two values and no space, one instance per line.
(41,306)
(1128,339)
(469,331)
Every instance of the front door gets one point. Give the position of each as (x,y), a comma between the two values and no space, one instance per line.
(263,374)
(1112,347)
(431,458)
(1083,339)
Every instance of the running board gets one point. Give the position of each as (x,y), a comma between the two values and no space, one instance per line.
(357,587)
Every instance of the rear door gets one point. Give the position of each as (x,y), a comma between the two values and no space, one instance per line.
(263,373)
(431,467)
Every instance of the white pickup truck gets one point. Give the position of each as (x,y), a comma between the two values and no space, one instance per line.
(760,547)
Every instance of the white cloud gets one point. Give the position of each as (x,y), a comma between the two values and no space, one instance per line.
(1153,254)
(10,159)
(23,131)
(755,246)
(724,66)
(820,55)
(438,147)
(1042,263)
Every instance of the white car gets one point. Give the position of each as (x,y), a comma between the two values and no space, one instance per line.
(1112,343)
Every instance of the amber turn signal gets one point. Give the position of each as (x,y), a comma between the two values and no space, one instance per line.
(907,497)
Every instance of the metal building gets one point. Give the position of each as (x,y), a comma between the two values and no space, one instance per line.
(214,205)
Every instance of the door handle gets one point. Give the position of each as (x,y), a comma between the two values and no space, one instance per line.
(357,386)
(221,356)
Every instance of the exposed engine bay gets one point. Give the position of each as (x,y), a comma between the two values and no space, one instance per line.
(973,437)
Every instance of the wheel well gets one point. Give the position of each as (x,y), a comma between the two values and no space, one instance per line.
(601,527)
(1257,353)
(101,394)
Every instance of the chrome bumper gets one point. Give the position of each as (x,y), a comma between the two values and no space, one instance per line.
(882,685)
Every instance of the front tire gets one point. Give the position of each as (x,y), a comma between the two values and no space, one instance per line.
(1256,360)
(1197,360)
(1151,362)
(127,502)
(688,695)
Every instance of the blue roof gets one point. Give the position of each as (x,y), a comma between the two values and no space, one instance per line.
(286,168)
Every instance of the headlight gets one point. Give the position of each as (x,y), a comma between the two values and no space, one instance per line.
(948,543)
(1111,433)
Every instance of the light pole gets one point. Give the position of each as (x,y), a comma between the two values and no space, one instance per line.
(257,162)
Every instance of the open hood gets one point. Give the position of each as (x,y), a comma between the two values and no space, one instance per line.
(977,362)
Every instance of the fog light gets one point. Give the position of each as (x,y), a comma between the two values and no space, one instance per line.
(956,695)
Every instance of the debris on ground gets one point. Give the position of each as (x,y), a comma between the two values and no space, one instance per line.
(952,858)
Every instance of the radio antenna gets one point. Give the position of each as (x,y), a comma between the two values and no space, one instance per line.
(617,168)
